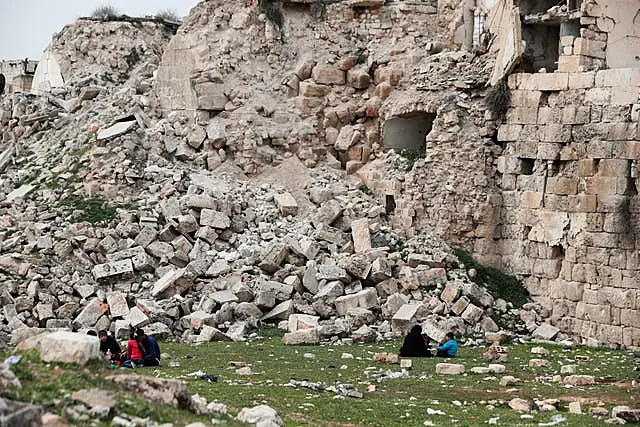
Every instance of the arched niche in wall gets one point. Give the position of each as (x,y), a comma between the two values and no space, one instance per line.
(408,131)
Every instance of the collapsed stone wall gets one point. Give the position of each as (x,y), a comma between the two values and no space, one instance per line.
(569,206)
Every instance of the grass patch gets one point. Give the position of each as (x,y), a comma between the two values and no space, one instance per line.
(398,402)
(364,189)
(411,157)
(500,284)
(169,15)
(91,209)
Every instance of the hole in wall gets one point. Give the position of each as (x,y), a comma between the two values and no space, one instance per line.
(530,7)
(389,204)
(408,132)
(557,252)
(541,47)
(526,166)
(3,82)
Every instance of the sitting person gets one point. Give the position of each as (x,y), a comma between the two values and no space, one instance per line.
(415,345)
(109,345)
(449,347)
(149,347)
(133,356)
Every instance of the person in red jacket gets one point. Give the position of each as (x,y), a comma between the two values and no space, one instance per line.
(134,357)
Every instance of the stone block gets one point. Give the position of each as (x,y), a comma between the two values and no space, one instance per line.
(509,132)
(64,347)
(360,235)
(302,321)
(273,257)
(118,306)
(380,270)
(310,89)
(301,336)
(137,318)
(570,63)
(404,318)
(345,303)
(545,332)
(525,98)
(167,281)
(90,314)
(531,200)
(328,74)
(286,203)
(451,292)
(598,96)
(279,312)
(460,305)
(358,78)
(281,291)
(522,115)
(449,369)
(546,81)
(579,380)
(556,133)
(331,273)
(215,219)
(472,314)
(549,151)
(112,269)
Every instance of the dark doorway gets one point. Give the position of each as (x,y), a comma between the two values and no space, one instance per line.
(408,132)
(3,81)
(390,204)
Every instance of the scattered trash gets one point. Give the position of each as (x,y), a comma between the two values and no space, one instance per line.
(435,412)
(174,364)
(555,420)
(12,360)
(204,376)
(493,420)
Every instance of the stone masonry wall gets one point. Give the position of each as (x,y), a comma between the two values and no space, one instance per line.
(569,211)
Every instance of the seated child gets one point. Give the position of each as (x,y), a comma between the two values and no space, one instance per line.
(449,348)
(134,356)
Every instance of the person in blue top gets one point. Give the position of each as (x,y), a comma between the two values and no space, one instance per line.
(449,348)
(150,348)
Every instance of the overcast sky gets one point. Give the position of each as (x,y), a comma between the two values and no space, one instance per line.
(26,26)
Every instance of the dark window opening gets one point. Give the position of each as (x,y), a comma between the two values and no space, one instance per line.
(557,252)
(532,7)
(390,204)
(408,132)
(542,47)
(3,81)
(526,166)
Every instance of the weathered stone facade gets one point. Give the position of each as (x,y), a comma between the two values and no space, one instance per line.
(568,212)
(16,76)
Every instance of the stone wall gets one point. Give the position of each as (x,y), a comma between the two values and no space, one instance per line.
(569,211)
(18,75)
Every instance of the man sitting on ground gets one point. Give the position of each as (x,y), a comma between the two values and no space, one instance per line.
(449,348)
(109,345)
(150,348)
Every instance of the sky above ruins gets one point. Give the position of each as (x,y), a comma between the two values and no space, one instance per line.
(26,26)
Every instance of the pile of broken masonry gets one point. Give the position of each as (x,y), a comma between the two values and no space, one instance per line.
(196,255)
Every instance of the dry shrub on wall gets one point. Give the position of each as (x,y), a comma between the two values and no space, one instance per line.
(105,12)
(498,98)
(168,15)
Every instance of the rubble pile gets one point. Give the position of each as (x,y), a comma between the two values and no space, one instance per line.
(117,214)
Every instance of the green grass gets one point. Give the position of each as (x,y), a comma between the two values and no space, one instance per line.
(395,402)
(91,209)
(501,285)
(411,157)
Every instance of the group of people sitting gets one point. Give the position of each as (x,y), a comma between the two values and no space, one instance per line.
(142,349)
(417,345)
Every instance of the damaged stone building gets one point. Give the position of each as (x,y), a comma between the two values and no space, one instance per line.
(568,212)
(547,190)
(16,76)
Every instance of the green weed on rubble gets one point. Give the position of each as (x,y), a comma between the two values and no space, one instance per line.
(420,397)
(90,209)
(500,284)
(411,157)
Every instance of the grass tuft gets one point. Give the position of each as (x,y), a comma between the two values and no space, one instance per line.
(499,284)
(105,12)
(498,98)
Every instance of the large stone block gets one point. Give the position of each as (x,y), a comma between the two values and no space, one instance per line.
(328,74)
(360,234)
(64,346)
(404,318)
(449,369)
(546,82)
(112,269)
